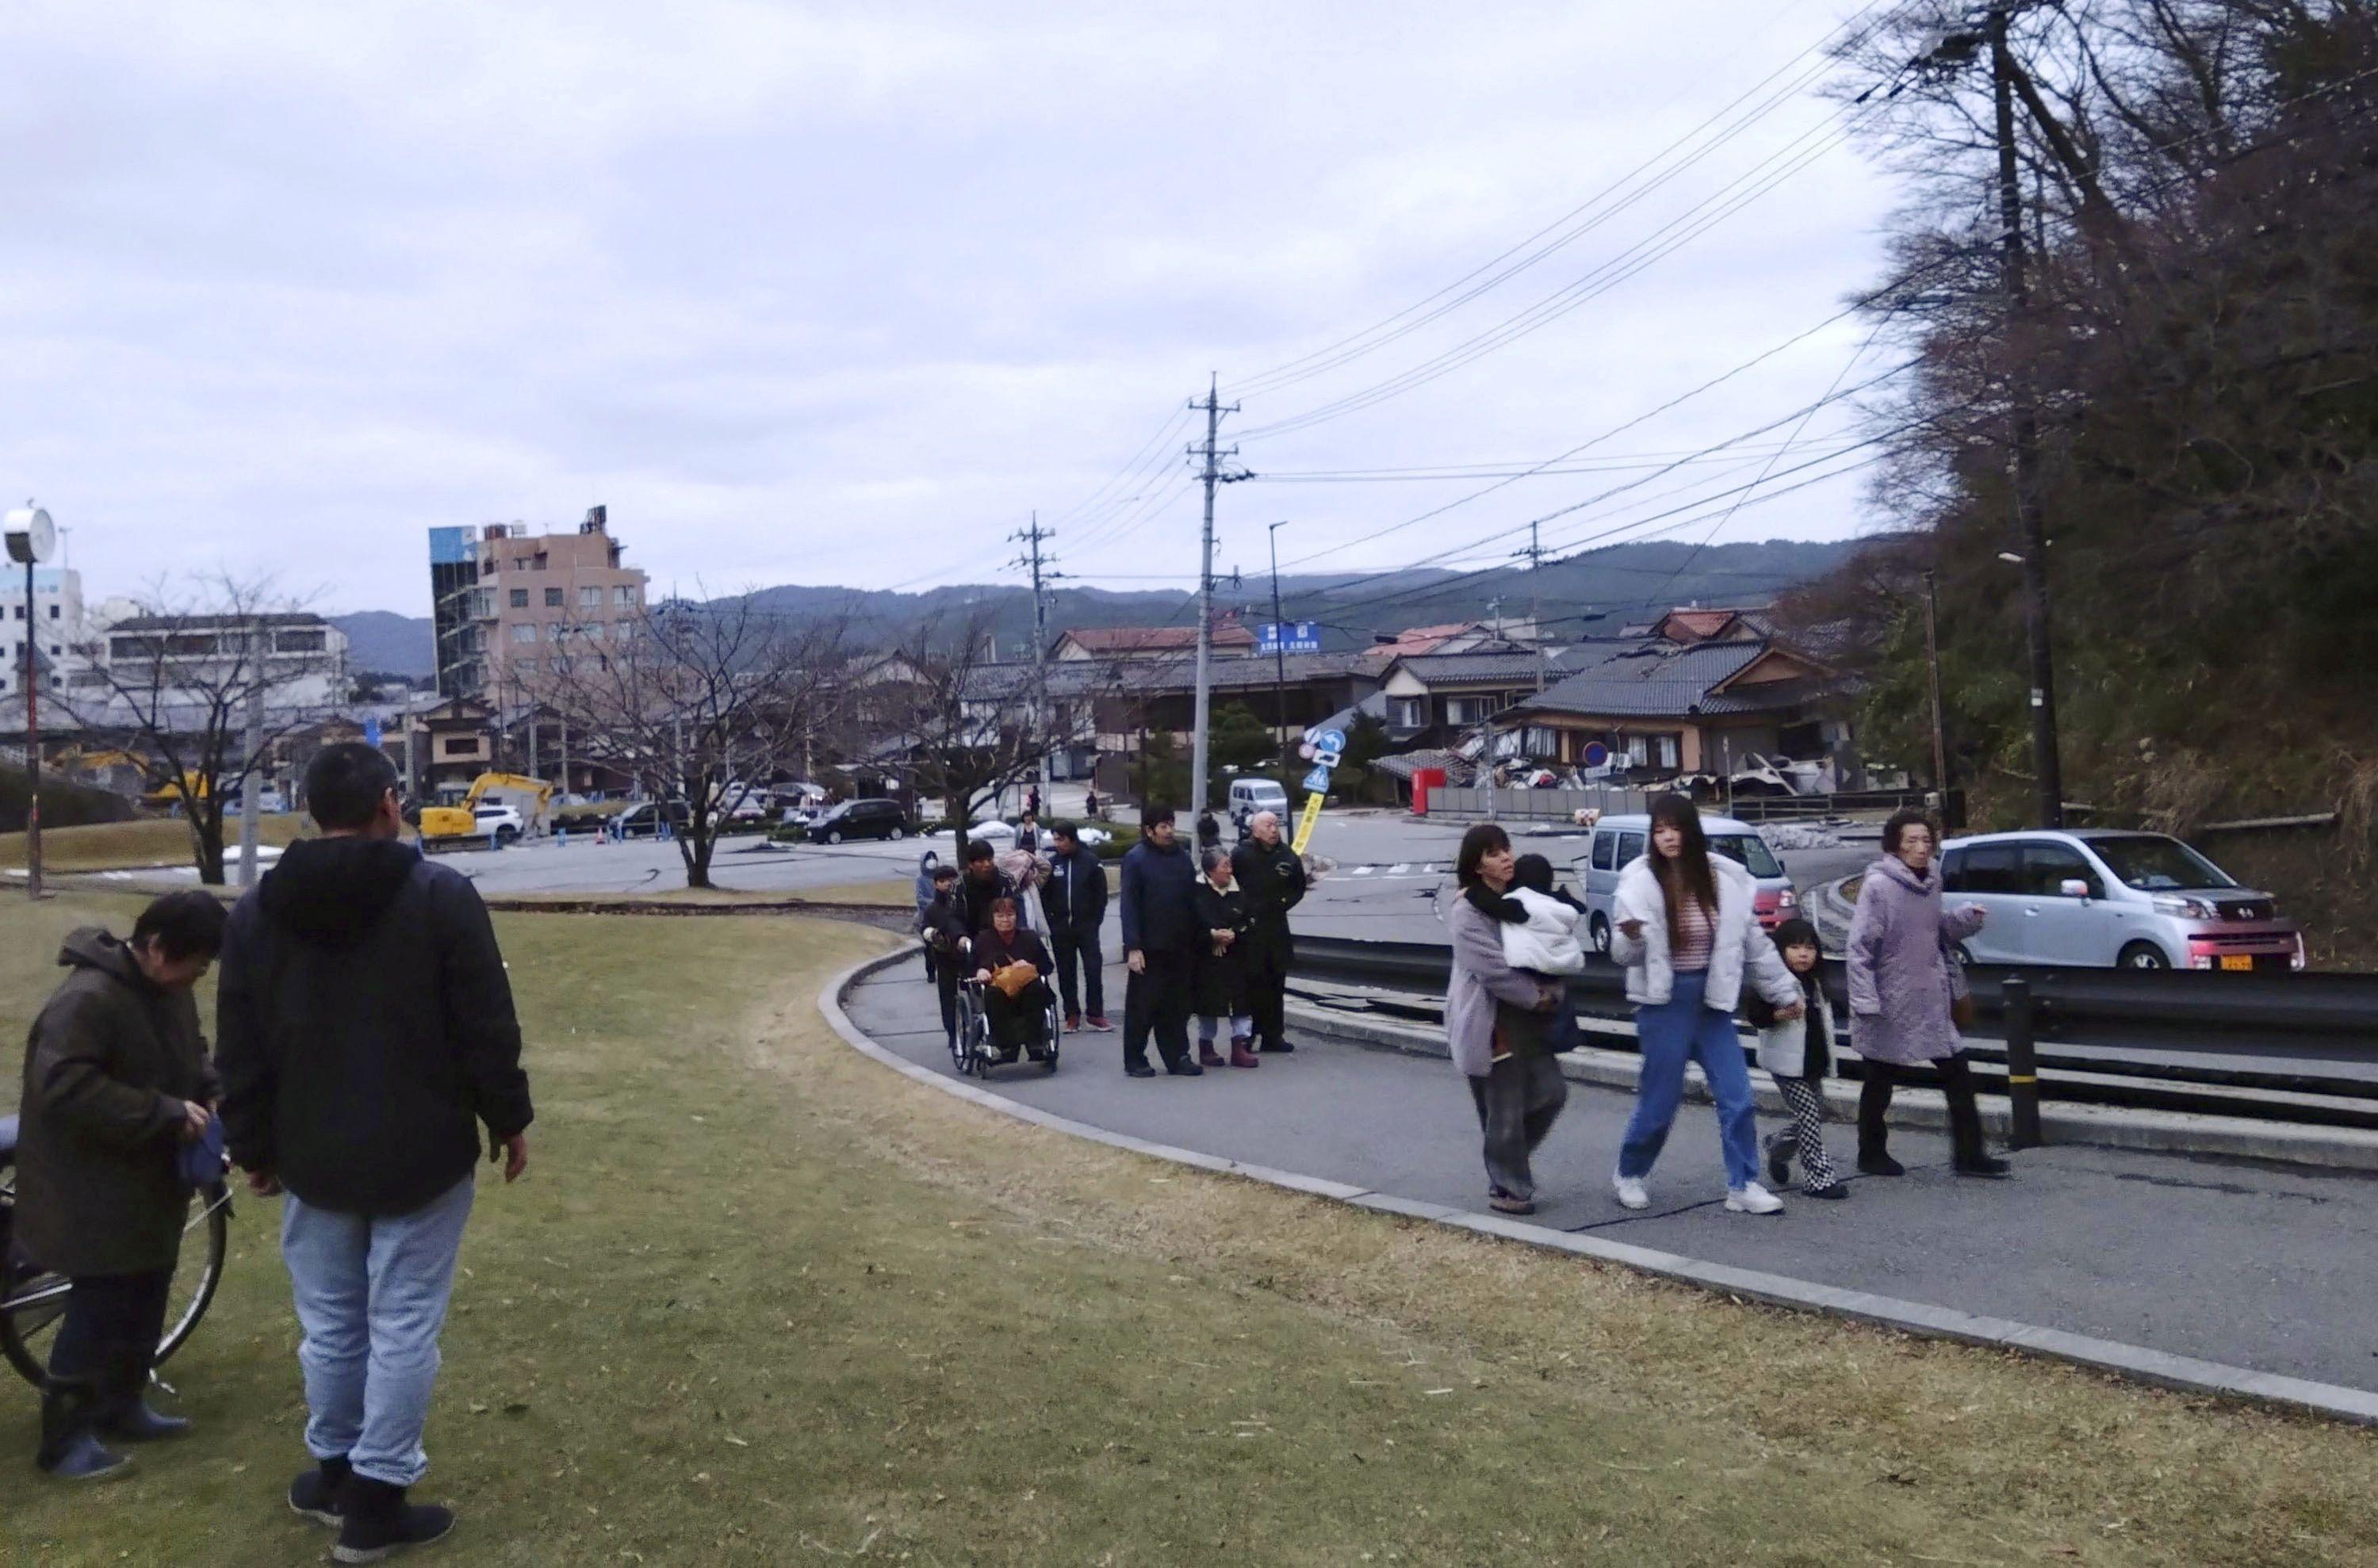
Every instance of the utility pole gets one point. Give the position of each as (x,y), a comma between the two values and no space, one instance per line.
(1932,663)
(1032,538)
(251,789)
(1535,555)
(1212,475)
(2024,467)
(1279,648)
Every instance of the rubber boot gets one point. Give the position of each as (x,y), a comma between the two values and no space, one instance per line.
(126,1417)
(320,1494)
(1206,1056)
(379,1523)
(69,1451)
(1241,1057)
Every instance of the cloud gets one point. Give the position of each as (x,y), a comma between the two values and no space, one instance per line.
(836,292)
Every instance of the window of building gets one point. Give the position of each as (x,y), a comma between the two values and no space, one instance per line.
(590,597)
(1405,712)
(53,612)
(624,595)
(540,560)
(301,643)
(553,598)
(19,611)
(519,598)
(523,631)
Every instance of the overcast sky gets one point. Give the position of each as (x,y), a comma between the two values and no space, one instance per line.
(841,293)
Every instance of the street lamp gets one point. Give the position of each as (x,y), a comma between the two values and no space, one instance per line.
(32,537)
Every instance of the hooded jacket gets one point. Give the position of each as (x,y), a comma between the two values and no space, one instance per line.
(1902,978)
(108,1064)
(1076,899)
(365,1027)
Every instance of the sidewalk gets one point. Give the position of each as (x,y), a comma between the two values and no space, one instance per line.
(2264,1268)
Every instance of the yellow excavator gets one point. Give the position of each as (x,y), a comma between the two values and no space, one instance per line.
(504,807)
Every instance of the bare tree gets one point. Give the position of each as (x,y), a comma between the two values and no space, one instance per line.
(701,704)
(202,686)
(963,719)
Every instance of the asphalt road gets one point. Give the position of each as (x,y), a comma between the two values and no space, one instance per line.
(2263,1267)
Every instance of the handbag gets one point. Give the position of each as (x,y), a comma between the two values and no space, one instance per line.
(1961,990)
(1012,978)
(199,1162)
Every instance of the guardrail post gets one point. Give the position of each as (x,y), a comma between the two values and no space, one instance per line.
(2023,1066)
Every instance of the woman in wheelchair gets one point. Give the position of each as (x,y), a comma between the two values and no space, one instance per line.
(1014,1001)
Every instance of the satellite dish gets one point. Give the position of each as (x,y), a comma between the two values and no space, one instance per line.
(32,535)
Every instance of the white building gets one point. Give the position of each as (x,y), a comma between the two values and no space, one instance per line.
(56,628)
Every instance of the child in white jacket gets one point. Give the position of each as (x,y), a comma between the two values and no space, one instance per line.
(1539,930)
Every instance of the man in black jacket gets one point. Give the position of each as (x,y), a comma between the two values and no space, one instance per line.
(983,885)
(1273,876)
(1075,902)
(1160,937)
(366,1032)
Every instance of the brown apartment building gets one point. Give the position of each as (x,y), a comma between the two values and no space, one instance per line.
(512,602)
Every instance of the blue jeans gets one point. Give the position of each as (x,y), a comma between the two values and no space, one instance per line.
(1680,1030)
(371,1293)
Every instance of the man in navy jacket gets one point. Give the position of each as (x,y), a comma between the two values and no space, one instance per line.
(1075,901)
(1160,937)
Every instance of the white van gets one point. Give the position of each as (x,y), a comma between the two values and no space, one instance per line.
(1251,795)
(1618,840)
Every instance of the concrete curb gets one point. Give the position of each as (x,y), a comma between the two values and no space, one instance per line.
(2185,1374)
(2096,1127)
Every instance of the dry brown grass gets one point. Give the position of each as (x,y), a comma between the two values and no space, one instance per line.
(124,846)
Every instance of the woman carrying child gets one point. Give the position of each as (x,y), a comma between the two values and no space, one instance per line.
(1495,1019)
(1219,985)
(1539,937)
(1797,1051)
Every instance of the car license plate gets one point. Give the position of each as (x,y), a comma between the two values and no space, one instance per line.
(2236,961)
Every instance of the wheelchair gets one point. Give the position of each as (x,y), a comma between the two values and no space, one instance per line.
(974,1052)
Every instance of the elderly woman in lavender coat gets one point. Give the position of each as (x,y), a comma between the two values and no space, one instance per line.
(1495,1025)
(1903,986)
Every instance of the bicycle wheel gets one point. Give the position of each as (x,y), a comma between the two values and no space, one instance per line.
(32,1301)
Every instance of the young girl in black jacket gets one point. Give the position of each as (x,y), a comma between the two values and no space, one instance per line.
(1797,1052)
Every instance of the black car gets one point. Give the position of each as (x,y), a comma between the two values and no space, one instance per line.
(860,818)
(643,819)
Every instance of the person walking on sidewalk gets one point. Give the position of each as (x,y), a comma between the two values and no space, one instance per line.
(948,938)
(117,1089)
(366,1035)
(1272,876)
(1796,1052)
(1075,899)
(1903,990)
(1221,963)
(1687,935)
(1160,935)
(927,863)
(1495,1027)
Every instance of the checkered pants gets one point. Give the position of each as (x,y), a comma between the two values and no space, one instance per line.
(1805,1137)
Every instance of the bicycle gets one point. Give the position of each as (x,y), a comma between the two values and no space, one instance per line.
(33,1298)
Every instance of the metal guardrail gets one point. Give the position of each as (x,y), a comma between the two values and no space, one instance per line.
(2334,1005)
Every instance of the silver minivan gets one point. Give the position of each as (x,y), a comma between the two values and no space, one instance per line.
(2101,899)
(1618,840)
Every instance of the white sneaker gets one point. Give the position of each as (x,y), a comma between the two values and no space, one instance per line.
(1752,1199)
(1631,1192)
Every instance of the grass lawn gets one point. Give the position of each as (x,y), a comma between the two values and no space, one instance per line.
(761,1302)
(119,846)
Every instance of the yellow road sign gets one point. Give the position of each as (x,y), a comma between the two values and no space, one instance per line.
(1305,823)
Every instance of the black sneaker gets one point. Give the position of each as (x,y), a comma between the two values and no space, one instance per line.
(1779,1164)
(1279,1047)
(1137,1069)
(1984,1165)
(379,1523)
(1880,1165)
(1838,1189)
(1185,1069)
(318,1493)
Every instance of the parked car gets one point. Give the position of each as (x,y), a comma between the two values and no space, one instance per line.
(860,818)
(2101,899)
(643,819)
(1618,840)
(1249,797)
(502,823)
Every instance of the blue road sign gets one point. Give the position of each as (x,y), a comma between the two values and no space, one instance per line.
(1295,637)
(1596,754)
(1330,742)
(1318,780)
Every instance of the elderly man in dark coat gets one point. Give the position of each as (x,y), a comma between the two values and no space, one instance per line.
(117,1082)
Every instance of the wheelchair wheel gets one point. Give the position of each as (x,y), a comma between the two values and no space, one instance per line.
(32,1300)
(1056,1032)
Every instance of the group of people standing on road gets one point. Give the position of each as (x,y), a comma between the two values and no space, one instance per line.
(1204,936)
(1684,927)
(366,1052)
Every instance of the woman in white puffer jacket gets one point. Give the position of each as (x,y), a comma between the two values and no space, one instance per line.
(1684,927)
